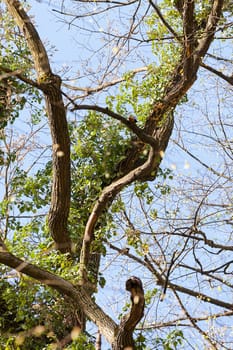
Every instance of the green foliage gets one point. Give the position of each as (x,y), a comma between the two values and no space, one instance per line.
(171,342)
(15,95)
(98,144)
(140,342)
(143,190)
(82,342)
(31,192)
(32,317)
(150,294)
(14,51)
(138,93)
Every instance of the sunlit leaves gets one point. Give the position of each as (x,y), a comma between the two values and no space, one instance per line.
(172,341)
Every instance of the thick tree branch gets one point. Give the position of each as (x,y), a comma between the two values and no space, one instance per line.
(209,32)
(78,294)
(189,36)
(50,84)
(105,200)
(121,336)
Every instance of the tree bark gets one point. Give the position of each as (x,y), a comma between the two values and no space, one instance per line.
(119,336)
(50,84)
(124,337)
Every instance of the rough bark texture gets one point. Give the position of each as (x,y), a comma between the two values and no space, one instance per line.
(122,336)
(50,84)
(60,196)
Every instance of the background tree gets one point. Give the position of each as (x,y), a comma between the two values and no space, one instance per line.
(97,204)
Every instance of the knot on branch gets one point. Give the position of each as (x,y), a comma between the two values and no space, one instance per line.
(49,81)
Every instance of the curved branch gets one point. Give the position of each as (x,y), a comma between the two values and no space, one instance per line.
(105,200)
(147,170)
(159,123)
(121,336)
(124,337)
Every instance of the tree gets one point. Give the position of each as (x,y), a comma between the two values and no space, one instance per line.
(104,165)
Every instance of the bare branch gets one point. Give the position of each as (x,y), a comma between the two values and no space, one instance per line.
(164,21)
(89,90)
(201,296)
(203,333)
(228,79)
(215,172)
(131,125)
